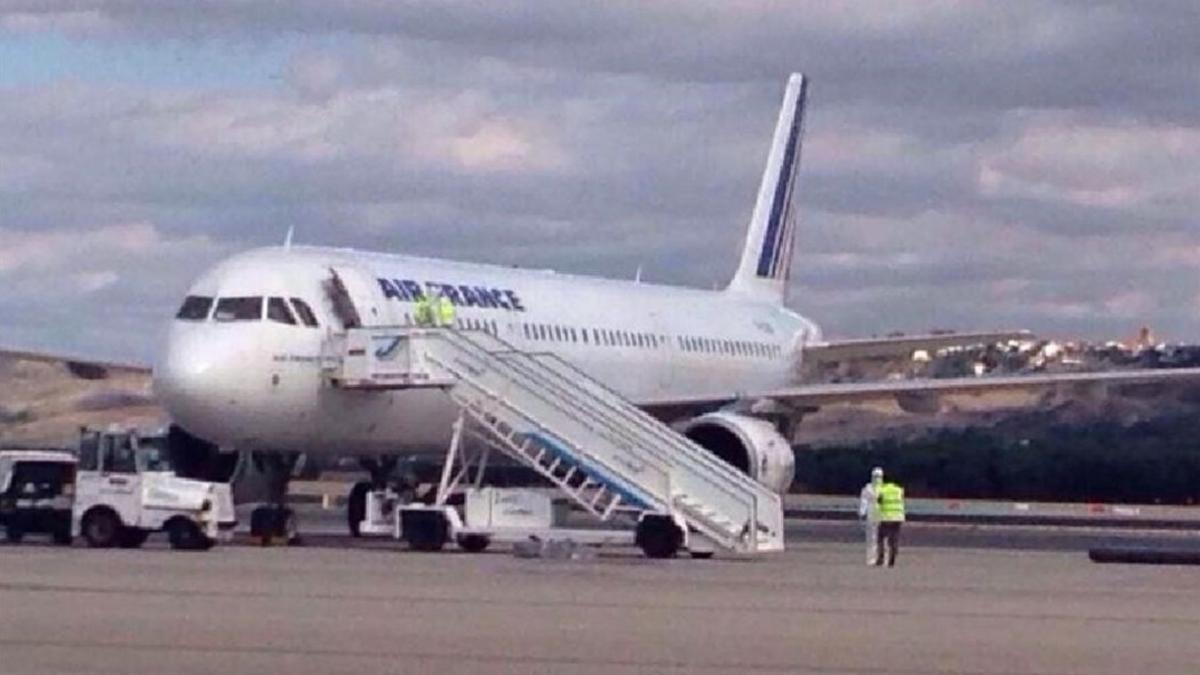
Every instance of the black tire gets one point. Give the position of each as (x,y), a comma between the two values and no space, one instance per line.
(269,524)
(424,530)
(356,507)
(186,535)
(14,533)
(101,528)
(132,537)
(474,543)
(659,537)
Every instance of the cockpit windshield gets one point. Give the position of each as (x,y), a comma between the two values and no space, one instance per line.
(304,312)
(195,308)
(277,311)
(289,311)
(239,309)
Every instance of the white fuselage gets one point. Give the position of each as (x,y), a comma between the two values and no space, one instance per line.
(254,383)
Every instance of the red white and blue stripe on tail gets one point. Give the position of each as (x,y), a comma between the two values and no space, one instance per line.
(767,256)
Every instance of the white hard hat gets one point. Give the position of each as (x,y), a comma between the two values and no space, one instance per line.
(877,473)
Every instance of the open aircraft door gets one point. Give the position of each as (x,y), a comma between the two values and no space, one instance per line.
(354,297)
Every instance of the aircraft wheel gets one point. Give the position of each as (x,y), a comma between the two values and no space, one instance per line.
(269,524)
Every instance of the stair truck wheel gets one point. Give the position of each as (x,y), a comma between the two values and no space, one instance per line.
(474,543)
(14,533)
(424,529)
(658,536)
(186,535)
(101,528)
(356,507)
(132,537)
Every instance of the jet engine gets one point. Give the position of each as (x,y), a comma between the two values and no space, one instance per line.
(750,444)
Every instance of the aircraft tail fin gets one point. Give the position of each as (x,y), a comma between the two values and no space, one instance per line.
(767,256)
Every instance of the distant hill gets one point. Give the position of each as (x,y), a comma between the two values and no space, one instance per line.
(45,403)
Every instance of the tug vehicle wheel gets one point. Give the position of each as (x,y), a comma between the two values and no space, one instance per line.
(101,528)
(186,535)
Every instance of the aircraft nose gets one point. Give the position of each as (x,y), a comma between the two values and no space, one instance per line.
(192,382)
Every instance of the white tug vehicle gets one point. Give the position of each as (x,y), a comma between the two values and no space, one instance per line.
(125,490)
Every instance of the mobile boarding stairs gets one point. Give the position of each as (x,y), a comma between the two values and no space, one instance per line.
(605,454)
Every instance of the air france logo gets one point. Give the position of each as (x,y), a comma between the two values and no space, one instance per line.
(462,295)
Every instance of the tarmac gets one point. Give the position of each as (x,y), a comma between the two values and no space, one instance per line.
(970,600)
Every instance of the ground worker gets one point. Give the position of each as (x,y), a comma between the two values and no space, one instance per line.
(891,517)
(444,311)
(868,513)
(423,311)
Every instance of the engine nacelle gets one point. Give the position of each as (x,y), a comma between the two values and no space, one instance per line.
(750,444)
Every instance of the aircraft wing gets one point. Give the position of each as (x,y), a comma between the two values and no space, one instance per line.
(82,367)
(903,346)
(811,395)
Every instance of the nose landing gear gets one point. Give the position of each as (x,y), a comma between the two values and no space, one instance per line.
(274,522)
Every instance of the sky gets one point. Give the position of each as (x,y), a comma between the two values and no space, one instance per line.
(967,165)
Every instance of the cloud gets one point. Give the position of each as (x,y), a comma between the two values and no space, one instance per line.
(1030,163)
(41,251)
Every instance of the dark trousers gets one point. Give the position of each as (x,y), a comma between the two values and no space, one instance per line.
(887,542)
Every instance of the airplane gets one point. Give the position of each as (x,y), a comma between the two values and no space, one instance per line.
(241,365)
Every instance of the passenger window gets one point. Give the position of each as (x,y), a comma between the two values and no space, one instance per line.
(195,308)
(305,313)
(277,310)
(239,309)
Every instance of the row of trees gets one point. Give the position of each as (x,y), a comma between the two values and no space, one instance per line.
(1150,462)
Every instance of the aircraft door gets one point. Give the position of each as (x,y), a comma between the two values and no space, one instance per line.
(663,355)
(355,299)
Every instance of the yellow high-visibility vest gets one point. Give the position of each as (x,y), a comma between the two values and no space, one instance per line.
(423,312)
(891,503)
(445,312)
